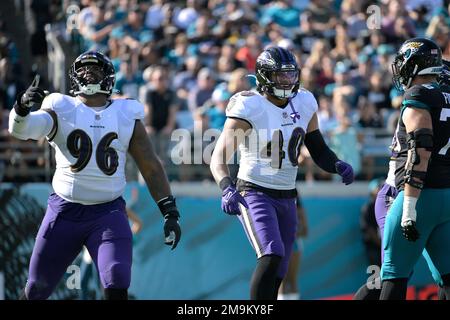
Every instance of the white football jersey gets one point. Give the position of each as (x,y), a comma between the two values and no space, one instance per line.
(268,157)
(91,147)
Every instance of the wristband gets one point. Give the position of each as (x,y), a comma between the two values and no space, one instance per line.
(409,209)
(168,207)
(225,183)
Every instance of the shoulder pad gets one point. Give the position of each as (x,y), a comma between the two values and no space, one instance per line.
(242,105)
(57,102)
(132,109)
(425,96)
(246,93)
(234,103)
(308,99)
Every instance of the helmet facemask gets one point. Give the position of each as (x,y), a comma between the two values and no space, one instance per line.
(280,84)
(401,81)
(284,83)
(92,77)
(89,79)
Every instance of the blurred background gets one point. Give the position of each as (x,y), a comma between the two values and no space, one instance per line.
(184,60)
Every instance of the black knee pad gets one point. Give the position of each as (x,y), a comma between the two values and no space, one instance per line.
(116,294)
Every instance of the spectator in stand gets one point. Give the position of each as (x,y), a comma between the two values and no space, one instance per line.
(96,34)
(323,16)
(396,10)
(185,81)
(320,49)
(161,106)
(344,142)
(354,13)
(342,87)
(306,36)
(402,32)
(250,51)
(239,81)
(341,50)
(203,90)
(378,93)
(216,113)
(134,33)
(283,13)
(128,80)
(360,75)
(188,15)
(177,55)
(155,16)
(383,59)
(325,114)
(368,114)
(376,38)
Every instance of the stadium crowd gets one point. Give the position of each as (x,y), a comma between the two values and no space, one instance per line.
(184,59)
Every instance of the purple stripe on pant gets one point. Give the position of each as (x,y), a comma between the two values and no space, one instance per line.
(270,225)
(66,228)
(385,198)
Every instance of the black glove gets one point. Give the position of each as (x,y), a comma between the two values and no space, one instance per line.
(410,232)
(172,230)
(32,96)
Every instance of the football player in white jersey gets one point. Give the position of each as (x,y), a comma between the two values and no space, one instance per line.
(269,127)
(91,134)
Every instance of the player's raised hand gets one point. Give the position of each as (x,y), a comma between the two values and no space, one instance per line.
(33,95)
(345,170)
(231,199)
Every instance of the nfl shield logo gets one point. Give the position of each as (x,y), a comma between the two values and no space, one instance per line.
(285,115)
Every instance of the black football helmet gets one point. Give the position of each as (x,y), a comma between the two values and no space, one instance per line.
(277,73)
(92,72)
(444,77)
(417,56)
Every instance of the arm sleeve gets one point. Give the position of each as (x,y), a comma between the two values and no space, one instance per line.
(35,125)
(322,155)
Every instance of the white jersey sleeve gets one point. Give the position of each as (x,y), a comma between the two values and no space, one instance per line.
(34,126)
(244,106)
